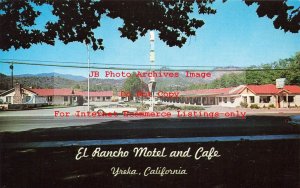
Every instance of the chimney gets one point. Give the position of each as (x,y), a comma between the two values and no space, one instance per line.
(17,99)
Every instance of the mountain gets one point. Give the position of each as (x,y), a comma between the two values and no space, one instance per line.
(37,82)
(57,80)
(54,74)
(48,80)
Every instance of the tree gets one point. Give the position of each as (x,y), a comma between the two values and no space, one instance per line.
(264,74)
(78,19)
(77,86)
(285,17)
(285,68)
(133,84)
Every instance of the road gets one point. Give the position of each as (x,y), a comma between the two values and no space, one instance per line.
(15,121)
(89,129)
(40,151)
(42,118)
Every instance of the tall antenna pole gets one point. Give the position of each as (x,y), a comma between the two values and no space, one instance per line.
(88,60)
(152,82)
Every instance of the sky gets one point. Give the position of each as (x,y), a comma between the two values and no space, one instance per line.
(234,36)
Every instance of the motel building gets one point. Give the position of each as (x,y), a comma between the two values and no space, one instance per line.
(20,95)
(261,95)
(97,96)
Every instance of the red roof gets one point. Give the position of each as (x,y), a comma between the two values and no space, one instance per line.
(292,88)
(257,89)
(96,93)
(206,91)
(271,89)
(70,92)
(55,92)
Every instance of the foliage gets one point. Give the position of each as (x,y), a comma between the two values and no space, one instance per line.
(143,107)
(192,108)
(287,68)
(80,101)
(254,106)
(279,11)
(77,86)
(133,84)
(244,104)
(59,82)
(166,107)
(173,107)
(264,74)
(77,20)
(271,106)
(226,80)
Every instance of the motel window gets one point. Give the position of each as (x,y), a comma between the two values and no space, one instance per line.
(251,99)
(220,99)
(265,99)
(98,97)
(50,99)
(27,98)
(290,99)
(66,98)
(225,99)
(108,98)
(232,99)
(8,99)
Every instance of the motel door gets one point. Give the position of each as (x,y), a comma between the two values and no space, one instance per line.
(281,103)
(279,99)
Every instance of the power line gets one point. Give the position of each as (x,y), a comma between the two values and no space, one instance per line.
(127,69)
(122,64)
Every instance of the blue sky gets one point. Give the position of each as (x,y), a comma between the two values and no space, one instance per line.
(234,36)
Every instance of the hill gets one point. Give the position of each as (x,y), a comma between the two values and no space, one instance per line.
(54,74)
(57,80)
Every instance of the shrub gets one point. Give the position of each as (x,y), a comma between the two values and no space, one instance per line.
(92,107)
(271,106)
(244,104)
(254,106)
(172,107)
(166,107)
(192,108)
(143,107)
(80,101)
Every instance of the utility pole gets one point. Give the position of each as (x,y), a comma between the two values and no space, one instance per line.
(88,61)
(152,82)
(12,74)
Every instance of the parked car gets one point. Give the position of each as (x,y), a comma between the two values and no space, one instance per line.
(156,102)
(294,120)
(115,108)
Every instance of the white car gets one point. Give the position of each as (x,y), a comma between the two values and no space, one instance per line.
(294,120)
(115,108)
(156,102)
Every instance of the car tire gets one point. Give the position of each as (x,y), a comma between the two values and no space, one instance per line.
(102,112)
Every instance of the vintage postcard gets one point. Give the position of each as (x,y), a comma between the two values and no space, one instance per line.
(175,93)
